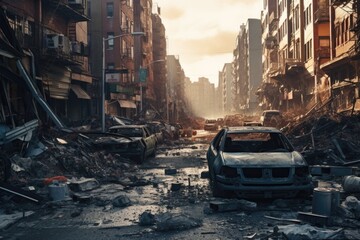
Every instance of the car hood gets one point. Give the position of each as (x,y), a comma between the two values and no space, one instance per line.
(263,159)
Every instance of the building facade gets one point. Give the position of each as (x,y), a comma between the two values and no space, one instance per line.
(53,34)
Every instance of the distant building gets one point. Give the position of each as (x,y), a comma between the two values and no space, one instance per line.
(247,67)
(228,92)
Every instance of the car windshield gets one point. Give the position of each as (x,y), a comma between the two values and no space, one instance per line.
(255,142)
(129,132)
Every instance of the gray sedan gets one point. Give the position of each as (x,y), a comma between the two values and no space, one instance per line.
(256,162)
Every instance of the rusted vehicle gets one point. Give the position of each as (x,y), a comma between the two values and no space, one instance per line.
(271,118)
(210,125)
(126,147)
(256,162)
(140,133)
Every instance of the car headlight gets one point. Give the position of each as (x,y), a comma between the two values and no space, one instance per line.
(229,172)
(302,171)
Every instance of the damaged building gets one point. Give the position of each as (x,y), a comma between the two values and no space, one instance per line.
(50,64)
(307,48)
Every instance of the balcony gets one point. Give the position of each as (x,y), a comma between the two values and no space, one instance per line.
(294,66)
(273,21)
(68,11)
(322,15)
(337,3)
(78,5)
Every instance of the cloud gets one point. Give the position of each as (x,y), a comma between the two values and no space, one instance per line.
(172,13)
(222,42)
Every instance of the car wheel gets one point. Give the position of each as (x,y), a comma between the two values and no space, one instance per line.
(141,158)
(153,154)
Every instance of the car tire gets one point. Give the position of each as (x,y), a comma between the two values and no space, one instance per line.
(153,154)
(141,158)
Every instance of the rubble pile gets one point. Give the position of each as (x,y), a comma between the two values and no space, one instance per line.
(329,138)
(67,155)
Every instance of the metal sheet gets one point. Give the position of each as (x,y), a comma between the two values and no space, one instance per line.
(79,92)
(127,104)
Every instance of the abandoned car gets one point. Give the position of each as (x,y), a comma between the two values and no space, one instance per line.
(143,136)
(256,162)
(210,125)
(126,147)
(271,118)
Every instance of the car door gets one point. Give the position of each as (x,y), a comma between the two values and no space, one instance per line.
(214,149)
(149,140)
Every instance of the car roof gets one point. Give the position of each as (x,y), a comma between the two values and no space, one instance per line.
(247,129)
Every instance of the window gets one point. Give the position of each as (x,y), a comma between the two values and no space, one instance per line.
(111,40)
(110,66)
(308,50)
(110,10)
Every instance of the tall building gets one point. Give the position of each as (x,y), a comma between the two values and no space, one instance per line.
(343,67)
(159,65)
(125,29)
(300,36)
(247,66)
(227,84)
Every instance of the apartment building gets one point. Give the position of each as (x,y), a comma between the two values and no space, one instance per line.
(159,65)
(343,67)
(227,84)
(268,91)
(52,37)
(175,88)
(240,65)
(247,66)
(121,35)
(293,79)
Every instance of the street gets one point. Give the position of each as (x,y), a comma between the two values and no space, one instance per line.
(172,195)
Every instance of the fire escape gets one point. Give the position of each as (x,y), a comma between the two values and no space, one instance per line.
(355,51)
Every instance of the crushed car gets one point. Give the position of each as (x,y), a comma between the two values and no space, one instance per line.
(140,133)
(256,162)
(127,147)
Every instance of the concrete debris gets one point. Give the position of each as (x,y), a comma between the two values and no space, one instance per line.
(352,204)
(121,201)
(307,231)
(171,221)
(170,171)
(83,184)
(176,186)
(8,219)
(225,206)
(147,219)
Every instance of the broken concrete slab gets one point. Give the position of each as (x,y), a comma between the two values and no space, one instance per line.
(226,206)
(84,184)
(171,221)
(306,231)
(121,201)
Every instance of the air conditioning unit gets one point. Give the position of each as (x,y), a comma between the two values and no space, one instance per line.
(54,40)
(76,47)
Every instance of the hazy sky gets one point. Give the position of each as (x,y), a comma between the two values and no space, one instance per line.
(202,33)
